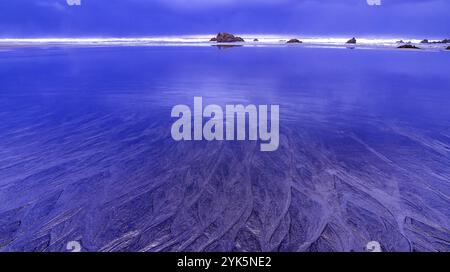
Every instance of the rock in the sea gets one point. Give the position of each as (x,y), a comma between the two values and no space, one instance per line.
(448,47)
(408,46)
(352,40)
(443,41)
(226,38)
(401,41)
(294,41)
(425,41)
(256,40)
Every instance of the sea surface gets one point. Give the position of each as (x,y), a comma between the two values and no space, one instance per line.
(86,153)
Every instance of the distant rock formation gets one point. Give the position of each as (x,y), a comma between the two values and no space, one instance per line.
(428,41)
(294,41)
(256,40)
(401,41)
(443,41)
(226,38)
(408,46)
(352,40)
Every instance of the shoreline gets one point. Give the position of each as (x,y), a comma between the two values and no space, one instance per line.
(249,41)
(6,47)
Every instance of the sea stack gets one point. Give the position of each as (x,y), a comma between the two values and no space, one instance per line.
(294,41)
(352,40)
(226,38)
(408,46)
(445,41)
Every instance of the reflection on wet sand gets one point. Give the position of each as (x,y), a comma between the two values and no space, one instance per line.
(101,168)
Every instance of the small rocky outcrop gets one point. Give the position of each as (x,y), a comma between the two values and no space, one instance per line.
(224,37)
(352,41)
(425,41)
(294,41)
(256,40)
(443,41)
(408,46)
(403,42)
(448,47)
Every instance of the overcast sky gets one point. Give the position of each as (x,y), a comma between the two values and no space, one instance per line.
(412,18)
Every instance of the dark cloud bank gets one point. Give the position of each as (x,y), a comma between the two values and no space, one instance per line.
(414,18)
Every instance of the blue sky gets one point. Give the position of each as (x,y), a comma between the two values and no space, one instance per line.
(55,18)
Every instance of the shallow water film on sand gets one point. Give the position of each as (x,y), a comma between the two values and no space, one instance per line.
(86,152)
